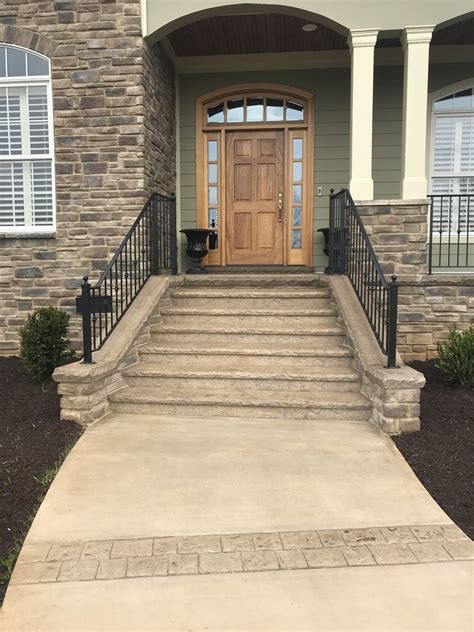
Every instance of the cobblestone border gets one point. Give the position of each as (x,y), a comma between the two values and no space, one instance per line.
(244,552)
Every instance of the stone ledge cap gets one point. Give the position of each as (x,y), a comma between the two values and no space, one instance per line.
(107,359)
(437,279)
(32,235)
(402,377)
(396,202)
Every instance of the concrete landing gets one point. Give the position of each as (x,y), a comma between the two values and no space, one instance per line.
(134,489)
(132,476)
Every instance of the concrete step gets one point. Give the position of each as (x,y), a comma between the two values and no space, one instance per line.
(279,335)
(246,301)
(249,317)
(283,378)
(173,355)
(334,406)
(248,292)
(252,270)
(253,279)
(251,298)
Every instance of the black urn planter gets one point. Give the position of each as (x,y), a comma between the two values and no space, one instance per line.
(325,232)
(196,248)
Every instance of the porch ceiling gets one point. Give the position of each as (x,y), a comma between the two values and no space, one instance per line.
(246,34)
(278,33)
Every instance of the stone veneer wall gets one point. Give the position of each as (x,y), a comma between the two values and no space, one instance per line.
(114,143)
(428,304)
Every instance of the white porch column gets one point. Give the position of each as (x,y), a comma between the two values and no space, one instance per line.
(416,46)
(361,43)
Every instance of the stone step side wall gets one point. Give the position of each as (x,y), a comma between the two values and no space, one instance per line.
(428,304)
(114,130)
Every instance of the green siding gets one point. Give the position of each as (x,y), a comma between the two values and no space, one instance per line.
(331,90)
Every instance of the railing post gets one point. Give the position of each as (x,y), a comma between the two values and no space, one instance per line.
(154,262)
(392,323)
(86,321)
(430,243)
(173,236)
(337,234)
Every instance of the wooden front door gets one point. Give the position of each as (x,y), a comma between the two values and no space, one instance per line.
(254,196)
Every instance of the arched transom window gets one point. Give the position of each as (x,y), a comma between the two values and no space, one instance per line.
(26,144)
(254,109)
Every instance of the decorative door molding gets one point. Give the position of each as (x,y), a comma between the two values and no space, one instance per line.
(257,107)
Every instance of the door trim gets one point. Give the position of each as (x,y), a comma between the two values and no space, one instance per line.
(205,132)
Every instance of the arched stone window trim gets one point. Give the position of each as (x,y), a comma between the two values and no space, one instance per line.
(27,39)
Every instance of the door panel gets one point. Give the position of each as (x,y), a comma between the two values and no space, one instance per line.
(266,230)
(242,183)
(266,182)
(254,178)
(243,231)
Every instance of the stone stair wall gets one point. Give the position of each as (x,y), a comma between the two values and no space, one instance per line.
(260,346)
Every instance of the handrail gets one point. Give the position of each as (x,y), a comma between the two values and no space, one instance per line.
(351,253)
(148,248)
(451,231)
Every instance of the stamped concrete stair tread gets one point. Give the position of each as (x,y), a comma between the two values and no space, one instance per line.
(255,280)
(301,330)
(220,311)
(170,353)
(257,398)
(277,373)
(340,351)
(250,293)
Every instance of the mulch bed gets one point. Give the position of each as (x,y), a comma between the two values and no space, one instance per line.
(32,439)
(441,453)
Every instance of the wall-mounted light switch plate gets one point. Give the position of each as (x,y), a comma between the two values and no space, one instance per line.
(320,191)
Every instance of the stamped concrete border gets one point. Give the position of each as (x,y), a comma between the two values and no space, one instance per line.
(84,388)
(394,393)
(242,552)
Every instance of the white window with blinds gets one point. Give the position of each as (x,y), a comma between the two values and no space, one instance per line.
(452,162)
(26,146)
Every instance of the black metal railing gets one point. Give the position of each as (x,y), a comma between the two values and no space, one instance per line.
(451,231)
(351,253)
(149,247)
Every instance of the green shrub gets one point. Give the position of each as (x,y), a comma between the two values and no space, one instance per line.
(44,342)
(456,356)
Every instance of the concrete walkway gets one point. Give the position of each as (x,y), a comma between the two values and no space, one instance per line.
(170,524)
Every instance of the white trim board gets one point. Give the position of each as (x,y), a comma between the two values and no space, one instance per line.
(315,59)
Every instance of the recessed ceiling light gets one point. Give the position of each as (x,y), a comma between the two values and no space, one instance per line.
(309,28)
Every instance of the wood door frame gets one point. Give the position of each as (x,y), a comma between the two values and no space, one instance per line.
(218,132)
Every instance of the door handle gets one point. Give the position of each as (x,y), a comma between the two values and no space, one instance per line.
(280,207)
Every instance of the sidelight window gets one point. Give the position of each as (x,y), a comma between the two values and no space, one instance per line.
(297,193)
(213,190)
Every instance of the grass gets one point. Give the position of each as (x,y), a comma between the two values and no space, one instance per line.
(7,564)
